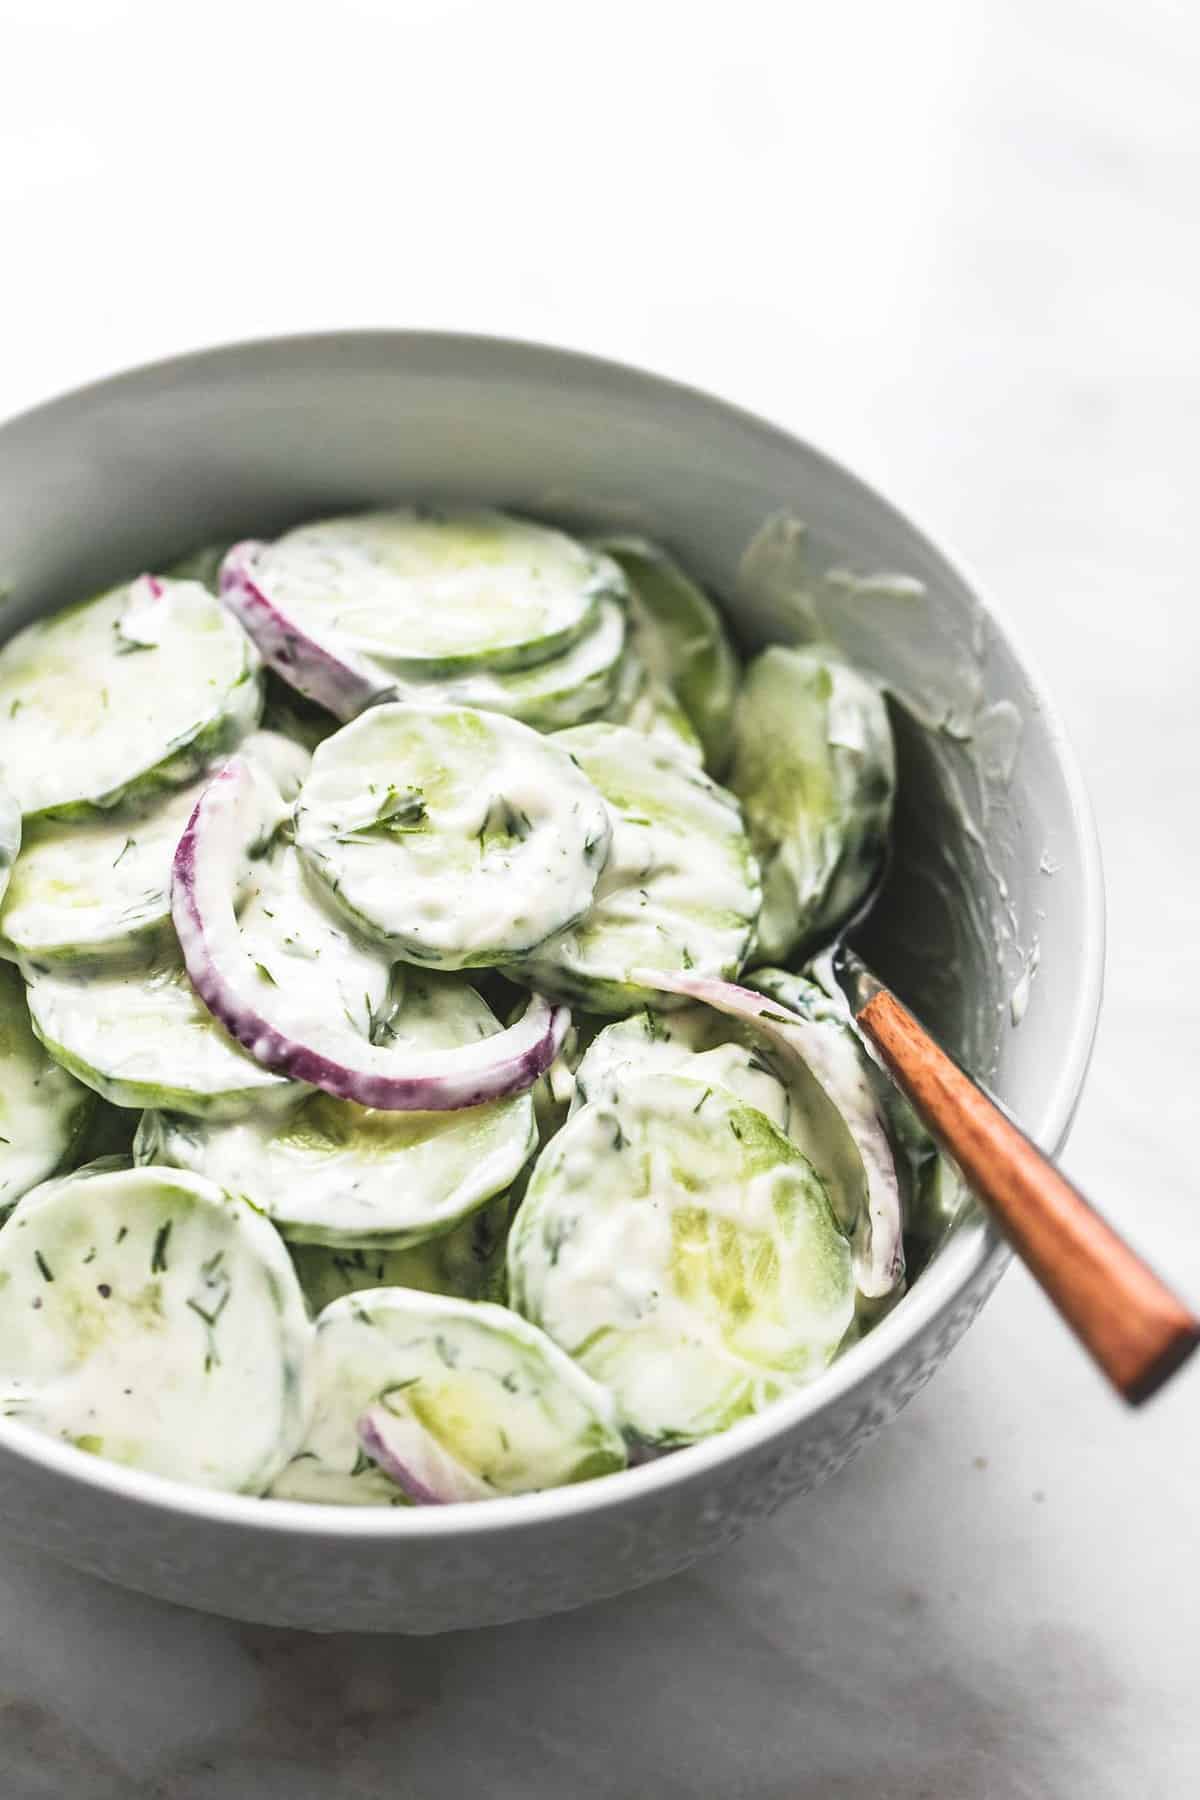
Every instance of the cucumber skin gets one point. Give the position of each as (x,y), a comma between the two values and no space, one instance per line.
(220,736)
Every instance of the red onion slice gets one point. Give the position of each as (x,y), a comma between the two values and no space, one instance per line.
(344,683)
(411,1456)
(824,1055)
(210,861)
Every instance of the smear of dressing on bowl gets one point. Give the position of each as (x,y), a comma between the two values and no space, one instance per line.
(946,915)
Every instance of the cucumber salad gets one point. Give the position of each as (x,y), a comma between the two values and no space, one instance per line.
(421,1079)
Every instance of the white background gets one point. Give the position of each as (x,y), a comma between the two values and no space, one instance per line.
(955,244)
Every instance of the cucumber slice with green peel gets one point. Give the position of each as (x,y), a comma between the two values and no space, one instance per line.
(466,1263)
(169,682)
(694,1042)
(99,889)
(10,837)
(437,593)
(460,1401)
(814,767)
(679,889)
(455,837)
(836,1113)
(44,1111)
(680,637)
(579,684)
(151,1319)
(685,1253)
(141,1038)
(331,1172)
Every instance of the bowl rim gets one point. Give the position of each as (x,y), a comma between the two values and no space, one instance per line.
(974,1256)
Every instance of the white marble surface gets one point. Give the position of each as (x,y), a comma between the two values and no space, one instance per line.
(956,245)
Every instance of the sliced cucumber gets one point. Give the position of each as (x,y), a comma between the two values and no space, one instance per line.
(466,1263)
(44,1112)
(100,888)
(694,1042)
(814,767)
(149,1318)
(685,1253)
(471,1402)
(681,638)
(125,694)
(679,890)
(579,684)
(435,593)
(455,837)
(836,1117)
(141,1038)
(10,837)
(331,1172)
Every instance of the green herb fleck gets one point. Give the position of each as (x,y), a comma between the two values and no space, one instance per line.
(266,974)
(158,1259)
(44,1268)
(125,849)
(706,1095)
(210,1317)
(400,812)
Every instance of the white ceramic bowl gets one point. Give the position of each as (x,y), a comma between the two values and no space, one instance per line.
(133,471)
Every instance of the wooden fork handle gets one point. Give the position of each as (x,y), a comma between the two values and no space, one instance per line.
(1129,1321)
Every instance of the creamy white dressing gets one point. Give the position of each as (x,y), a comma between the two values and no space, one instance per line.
(579,683)
(101,887)
(456,837)
(10,836)
(496,1397)
(814,768)
(684,1251)
(438,590)
(44,1111)
(329,1172)
(90,717)
(147,1317)
(679,889)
